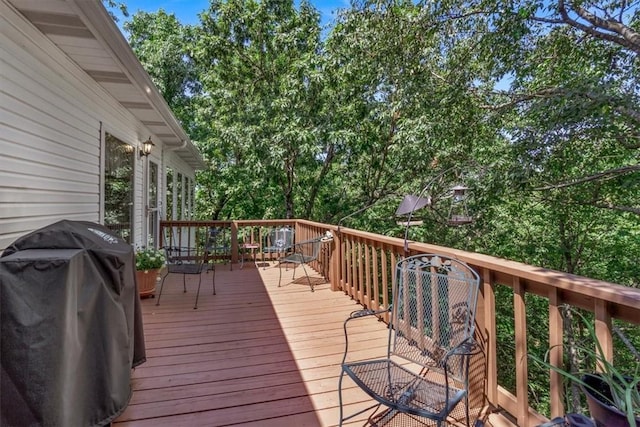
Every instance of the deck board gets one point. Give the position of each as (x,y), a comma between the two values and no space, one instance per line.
(254,354)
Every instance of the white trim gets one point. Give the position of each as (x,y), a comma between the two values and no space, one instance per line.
(102,171)
(107,33)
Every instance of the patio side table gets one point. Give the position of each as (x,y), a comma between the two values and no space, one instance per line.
(253,247)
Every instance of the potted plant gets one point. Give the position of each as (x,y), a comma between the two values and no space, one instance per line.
(613,397)
(149,261)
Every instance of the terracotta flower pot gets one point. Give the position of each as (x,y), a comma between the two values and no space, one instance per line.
(147,282)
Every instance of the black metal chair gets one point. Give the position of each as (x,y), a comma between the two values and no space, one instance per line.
(303,253)
(188,261)
(278,241)
(424,374)
(219,244)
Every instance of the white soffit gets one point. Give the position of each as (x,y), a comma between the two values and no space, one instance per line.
(86,33)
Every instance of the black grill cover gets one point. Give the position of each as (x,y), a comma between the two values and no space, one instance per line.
(71,326)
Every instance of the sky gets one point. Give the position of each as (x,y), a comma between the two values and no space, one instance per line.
(187,10)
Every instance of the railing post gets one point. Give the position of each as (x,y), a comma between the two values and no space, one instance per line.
(520,314)
(234,242)
(603,330)
(489,318)
(334,265)
(556,394)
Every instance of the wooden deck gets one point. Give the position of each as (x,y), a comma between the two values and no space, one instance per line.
(254,354)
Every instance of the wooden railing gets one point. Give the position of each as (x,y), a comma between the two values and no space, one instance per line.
(362,264)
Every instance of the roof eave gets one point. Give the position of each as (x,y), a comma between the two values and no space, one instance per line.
(104,28)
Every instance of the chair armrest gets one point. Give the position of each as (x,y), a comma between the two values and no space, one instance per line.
(366,312)
(359,314)
(305,255)
(467,347)
(305,242)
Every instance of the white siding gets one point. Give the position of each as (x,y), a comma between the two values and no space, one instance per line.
(51,116)
(49,151)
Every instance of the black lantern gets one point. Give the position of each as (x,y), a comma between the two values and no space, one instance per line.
(458,214)
(146,148)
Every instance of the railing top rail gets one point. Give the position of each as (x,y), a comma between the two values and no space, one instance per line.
(538,279)
(239,222)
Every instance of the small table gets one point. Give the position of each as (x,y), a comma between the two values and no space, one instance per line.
(248,246)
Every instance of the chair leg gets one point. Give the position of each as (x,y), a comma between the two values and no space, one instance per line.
(342,417)
(161,287)
(308,279)
(184,283)
(340,397)
(213,278)
(195,306)
(467,403)
(280,271)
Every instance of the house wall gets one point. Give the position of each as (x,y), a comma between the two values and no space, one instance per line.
(53,117)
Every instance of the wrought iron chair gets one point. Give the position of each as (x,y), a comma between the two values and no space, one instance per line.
(432,318)
(219,244)
(188,261)
(303,253)
(278,241)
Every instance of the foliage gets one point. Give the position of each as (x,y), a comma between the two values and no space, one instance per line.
(624,385)
(113,4)
(261,107)
(535,105)
(149,259)
(160,42)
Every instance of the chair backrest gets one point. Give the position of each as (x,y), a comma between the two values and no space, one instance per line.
(218,239)
(279,240)
(434,306)
(309,248)
(185,245)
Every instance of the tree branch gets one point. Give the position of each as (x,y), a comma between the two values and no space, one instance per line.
(615,208)
(625,36)
(623,141)
(605,175)
(522,97)
(550,92)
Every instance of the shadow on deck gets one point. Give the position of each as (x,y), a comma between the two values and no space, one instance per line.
(254,354)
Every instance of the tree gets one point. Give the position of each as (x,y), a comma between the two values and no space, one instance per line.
(259,64)
(112,5)
(572,71)
(406,102)
(161,44)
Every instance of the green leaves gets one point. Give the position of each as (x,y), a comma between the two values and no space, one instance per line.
(540,114)
(259,63)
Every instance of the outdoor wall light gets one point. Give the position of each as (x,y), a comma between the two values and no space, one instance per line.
(146,148)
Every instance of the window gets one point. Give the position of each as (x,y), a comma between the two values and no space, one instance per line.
(169,213)
(118,187)
(152,210)
(192,197)
(179,197)
(187,198)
